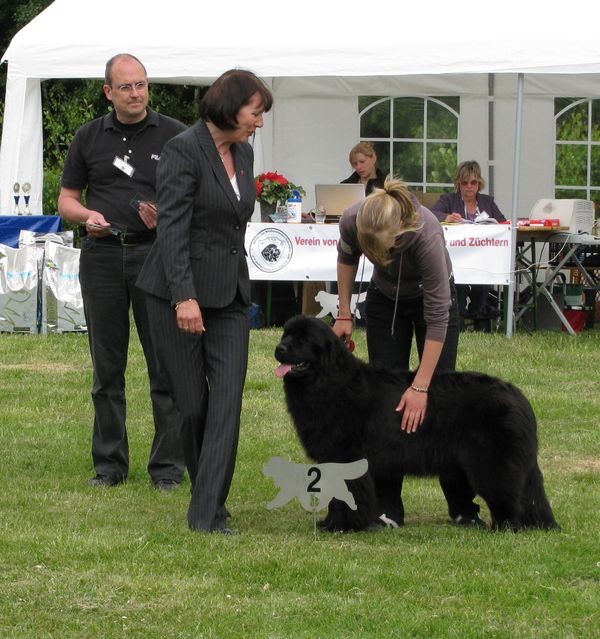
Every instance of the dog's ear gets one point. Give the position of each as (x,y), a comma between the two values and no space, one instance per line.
(333,352)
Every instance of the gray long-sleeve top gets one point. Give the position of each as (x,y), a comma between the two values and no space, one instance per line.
(425,263)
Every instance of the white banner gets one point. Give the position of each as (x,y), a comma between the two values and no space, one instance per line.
(480,254)
(294,252)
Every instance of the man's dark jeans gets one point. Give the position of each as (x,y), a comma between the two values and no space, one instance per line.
(107,274)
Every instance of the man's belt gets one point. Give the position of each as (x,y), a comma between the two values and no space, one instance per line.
(124,237)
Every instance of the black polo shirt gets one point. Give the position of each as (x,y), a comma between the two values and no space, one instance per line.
(90,164)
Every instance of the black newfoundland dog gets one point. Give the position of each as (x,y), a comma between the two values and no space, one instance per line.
(478,436)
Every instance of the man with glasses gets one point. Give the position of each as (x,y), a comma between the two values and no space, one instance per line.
(113,160)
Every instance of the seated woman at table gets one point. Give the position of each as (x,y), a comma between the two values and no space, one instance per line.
(363,160)
(468,204)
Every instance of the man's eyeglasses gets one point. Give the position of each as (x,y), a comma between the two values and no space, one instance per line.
(128,88)
(470,182)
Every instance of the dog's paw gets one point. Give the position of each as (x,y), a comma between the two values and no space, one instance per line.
(333,528)
(469,520)
(330,525)
(388,522)
(323,524)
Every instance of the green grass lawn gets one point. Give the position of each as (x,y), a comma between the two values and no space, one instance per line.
(93,563)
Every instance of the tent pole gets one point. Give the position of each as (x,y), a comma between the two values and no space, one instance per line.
(515,203)
(491,134)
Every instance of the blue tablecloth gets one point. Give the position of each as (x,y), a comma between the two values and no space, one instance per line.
(12,225)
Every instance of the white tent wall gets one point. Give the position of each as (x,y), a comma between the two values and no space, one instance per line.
(312,138)
(317,123)
(537,144)
(21,153)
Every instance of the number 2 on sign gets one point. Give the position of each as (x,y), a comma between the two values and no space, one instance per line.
(312,487)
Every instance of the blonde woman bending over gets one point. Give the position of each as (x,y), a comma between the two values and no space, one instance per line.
(410,294)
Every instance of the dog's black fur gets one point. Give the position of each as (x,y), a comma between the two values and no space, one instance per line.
(479,434)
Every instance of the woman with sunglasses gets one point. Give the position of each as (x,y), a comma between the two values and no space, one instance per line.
(468,204)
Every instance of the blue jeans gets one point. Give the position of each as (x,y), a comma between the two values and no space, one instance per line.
(394,350)
(107,273)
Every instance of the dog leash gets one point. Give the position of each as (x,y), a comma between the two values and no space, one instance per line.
(397,293)
(349,343)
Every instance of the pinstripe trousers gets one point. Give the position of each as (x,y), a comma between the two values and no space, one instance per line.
(206,374)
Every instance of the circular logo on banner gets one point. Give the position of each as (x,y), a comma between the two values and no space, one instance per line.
(270,250)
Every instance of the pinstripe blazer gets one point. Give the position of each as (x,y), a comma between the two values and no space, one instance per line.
(199,250)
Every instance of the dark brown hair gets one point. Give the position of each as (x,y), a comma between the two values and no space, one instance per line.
(228,94)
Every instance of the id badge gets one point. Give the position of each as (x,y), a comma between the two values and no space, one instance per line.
(123,165)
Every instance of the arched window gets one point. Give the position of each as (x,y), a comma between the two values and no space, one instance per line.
(577,144)
(416,138)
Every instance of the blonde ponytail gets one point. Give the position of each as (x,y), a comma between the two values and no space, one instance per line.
(384,216)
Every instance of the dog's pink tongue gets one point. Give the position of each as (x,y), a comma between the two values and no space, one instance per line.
(282,370)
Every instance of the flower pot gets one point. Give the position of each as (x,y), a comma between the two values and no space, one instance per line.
(266,210)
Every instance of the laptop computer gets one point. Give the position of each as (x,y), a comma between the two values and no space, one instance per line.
(336,198)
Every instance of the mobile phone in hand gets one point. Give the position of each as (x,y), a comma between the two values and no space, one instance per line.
(137,199)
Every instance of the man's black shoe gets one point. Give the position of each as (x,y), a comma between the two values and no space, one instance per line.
(166,485)
(106,480)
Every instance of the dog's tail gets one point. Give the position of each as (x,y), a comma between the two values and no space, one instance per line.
(537,512)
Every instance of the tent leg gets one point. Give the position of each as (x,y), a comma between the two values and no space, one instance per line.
(515,203)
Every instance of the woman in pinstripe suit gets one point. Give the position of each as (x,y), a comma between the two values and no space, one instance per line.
(196,278)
